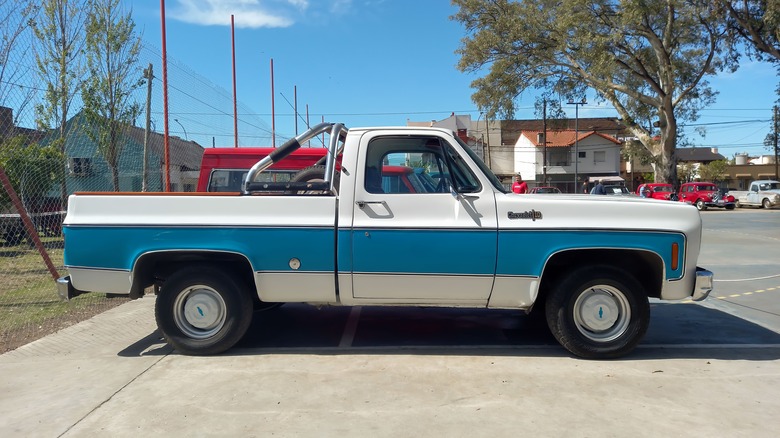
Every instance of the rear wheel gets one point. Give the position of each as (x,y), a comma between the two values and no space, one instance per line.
(598,312)
(201,310)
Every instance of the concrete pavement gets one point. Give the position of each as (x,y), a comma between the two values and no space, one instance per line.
(113,376)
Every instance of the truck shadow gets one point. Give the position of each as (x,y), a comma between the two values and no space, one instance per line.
(676,330)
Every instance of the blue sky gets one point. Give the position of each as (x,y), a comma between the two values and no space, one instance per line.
(383,62)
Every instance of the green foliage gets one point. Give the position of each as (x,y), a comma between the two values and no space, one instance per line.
(714,171)
(32,169)
(59,28)
(114,73)
(757,23)
(649,60)
(686,172)
(635,151)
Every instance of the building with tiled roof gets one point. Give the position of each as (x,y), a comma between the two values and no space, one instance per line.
(597,157)
(698,155)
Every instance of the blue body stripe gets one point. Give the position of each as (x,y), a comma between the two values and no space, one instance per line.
(268,249)
(448,251)
(414,251)
(525,252)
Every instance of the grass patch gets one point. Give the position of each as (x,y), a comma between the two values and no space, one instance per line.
(29,305)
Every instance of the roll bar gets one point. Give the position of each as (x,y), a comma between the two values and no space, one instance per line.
(337,132)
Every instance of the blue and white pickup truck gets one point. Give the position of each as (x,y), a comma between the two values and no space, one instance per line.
(335,235)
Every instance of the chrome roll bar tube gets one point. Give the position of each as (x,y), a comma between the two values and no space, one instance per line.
(337,131)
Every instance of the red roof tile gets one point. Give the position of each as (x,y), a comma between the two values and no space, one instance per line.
(564,138)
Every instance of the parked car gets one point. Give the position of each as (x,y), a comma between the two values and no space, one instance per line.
(762,193)
(657,191)
(544,190)
(617,190)
(704,195)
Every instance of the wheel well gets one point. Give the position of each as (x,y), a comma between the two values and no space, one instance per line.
(645,266)
(154,268)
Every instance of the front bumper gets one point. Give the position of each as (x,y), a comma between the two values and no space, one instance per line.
(65,289)
(703,285)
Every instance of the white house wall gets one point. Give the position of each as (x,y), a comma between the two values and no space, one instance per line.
(595,143)
(528,158)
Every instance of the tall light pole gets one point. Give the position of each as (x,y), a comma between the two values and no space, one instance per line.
(481,136)
(182,128)
(577,141)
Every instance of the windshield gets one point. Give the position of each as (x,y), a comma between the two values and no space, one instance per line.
(483,167)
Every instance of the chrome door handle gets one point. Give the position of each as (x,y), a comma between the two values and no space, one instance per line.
(362,204)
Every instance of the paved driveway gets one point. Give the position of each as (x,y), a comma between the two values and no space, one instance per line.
(709,369)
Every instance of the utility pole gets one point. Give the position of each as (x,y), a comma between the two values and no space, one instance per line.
(776,128)
(576,142)
(544,139)
(487,134)
(148,75)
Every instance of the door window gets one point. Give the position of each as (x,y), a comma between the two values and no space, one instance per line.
(415,165)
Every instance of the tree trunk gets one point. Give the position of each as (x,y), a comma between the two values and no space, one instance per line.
(666,169)
(115,177)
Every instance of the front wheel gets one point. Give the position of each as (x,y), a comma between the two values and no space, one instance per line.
(202,310)
(766,204)
(730,207)
(598,312)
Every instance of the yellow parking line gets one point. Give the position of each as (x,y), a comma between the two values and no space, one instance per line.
(735,295)
(760,290)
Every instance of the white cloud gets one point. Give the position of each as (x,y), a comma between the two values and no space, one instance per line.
(248,13)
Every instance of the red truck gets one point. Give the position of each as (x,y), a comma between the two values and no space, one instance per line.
(224,170)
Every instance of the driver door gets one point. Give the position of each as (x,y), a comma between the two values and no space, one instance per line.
(425,245)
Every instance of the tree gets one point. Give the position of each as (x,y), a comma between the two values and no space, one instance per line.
(59,56)
(649,60)
(14,17)
(114,73)
(33,169)
(756,22)
(714,171)
(685,172)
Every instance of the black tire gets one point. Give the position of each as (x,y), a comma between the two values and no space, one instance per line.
(766,204)
(183,298)
(730,207)
(573,320)
(700,205)
(314,173)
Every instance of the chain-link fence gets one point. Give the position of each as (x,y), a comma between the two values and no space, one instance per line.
(51,147)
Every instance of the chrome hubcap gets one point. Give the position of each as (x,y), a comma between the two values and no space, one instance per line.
(199,312)
(602,313)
